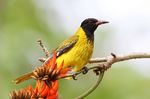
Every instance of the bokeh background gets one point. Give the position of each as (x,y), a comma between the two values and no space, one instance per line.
(23,22)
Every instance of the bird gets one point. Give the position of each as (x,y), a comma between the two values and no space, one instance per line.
(75,51)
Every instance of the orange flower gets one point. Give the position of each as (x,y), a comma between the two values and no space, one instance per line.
(44,91)
(46,77)
(26,93)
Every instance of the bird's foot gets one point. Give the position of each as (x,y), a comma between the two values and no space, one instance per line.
(73,73)
(84,70)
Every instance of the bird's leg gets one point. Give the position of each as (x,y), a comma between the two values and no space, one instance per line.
(74,77)
(72,72)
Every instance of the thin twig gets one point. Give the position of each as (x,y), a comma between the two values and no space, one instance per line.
(90,90)
(74,75)
(44,48)
(121,57)
(42,60)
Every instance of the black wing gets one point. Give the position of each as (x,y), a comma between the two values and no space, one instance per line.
(66,45)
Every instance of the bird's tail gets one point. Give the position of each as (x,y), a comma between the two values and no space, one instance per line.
(23,78)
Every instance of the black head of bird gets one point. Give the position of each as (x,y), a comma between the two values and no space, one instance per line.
(90,25)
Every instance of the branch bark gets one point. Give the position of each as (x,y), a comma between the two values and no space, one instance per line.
(47,54)
(121,57)
(105,63)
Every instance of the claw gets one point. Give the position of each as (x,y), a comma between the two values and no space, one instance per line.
(84,70)
(97,71)
(74,77)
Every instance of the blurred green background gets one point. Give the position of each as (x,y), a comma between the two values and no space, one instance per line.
(22,23)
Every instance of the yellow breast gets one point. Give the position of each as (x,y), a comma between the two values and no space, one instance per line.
(80,54)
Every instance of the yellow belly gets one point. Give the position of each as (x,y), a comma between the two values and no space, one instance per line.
(78,56)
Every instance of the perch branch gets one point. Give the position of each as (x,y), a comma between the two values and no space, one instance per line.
(102,67)
(121,57)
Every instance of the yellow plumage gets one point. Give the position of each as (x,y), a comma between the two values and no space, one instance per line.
(74,57)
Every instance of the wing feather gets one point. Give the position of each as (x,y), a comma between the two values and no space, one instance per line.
(66,45)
